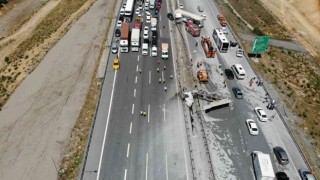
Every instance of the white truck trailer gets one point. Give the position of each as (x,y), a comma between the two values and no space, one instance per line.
(262,166)
(154,22)
(135,39)
(164,50)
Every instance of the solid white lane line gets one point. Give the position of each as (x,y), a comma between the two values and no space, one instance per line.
(125,174)
(160,33)
(148,113)
(134,93)
(105,131)
(138,58)
(130,128)
(137,68)
(147,168)
(167,167)
(128,150)
(149,77)
(136,80)
(132,108)
(164,113)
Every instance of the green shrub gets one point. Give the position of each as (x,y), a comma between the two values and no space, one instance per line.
(258,31)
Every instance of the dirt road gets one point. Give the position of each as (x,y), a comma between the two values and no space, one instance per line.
(37,120)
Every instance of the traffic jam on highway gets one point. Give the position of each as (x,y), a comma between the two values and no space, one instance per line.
(140,34)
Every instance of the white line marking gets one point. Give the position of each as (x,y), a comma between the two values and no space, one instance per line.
(130,128)
(162,75)
(125,174)
(105,131)
(167,167)
(148,113)
(164,113)
(132,109)
(128,150)
(136,80)
(137,68)
(134,93)
(149,77)
(138,58)
(147,168)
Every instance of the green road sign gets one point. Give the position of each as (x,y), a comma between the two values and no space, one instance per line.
(260,44)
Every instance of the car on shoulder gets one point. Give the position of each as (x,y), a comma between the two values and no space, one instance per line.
(116,64)
(114,48)
(118,33)
(252,127)
(229,73)
(239,53)
(261,114)
(306,174)
(237,93)
(281,155)
(119,23)
(282,176)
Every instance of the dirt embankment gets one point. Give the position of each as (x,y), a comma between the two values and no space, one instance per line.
(301,17)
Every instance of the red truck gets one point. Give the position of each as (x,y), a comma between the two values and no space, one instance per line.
(193,29)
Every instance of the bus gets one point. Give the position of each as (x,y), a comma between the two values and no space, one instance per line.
(180,14)
(128,11)
(220,40)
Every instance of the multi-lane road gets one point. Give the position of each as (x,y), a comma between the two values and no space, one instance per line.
(136,146)
(127,145)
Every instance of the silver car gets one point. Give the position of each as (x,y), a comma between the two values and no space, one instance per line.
(114,48)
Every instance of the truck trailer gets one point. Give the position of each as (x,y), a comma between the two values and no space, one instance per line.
(135,39)
(124,38)
(164,50)
(262,166)
(154,24)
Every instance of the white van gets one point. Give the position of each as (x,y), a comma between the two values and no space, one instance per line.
(238,71)
(145,49)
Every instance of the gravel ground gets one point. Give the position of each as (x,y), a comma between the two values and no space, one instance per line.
(37,120)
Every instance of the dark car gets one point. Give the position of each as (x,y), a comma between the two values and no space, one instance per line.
(281,155)
(118,32)
(229,73)
(170,16)
(237,93)
(155,34)
(282,176)
(121,18)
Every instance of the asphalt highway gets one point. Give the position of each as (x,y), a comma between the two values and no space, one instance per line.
(136,146)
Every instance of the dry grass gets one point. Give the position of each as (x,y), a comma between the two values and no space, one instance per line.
(11,75)
(295,75)
(74,154)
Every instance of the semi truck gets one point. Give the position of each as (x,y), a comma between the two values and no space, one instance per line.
(135,39)
(154,24)
(124,38)
(164,50)
(262,166)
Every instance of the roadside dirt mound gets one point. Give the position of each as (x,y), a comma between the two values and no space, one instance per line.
(301,17)
(310,9)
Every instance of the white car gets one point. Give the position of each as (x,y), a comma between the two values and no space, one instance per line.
(261,114)
(148,19)
(204,16)
(252,126)
(140,7)
(119,23)
(122,11)
(137,11)
(147,12)
(239,53)
(146,32)
(181,6)
(224,30)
